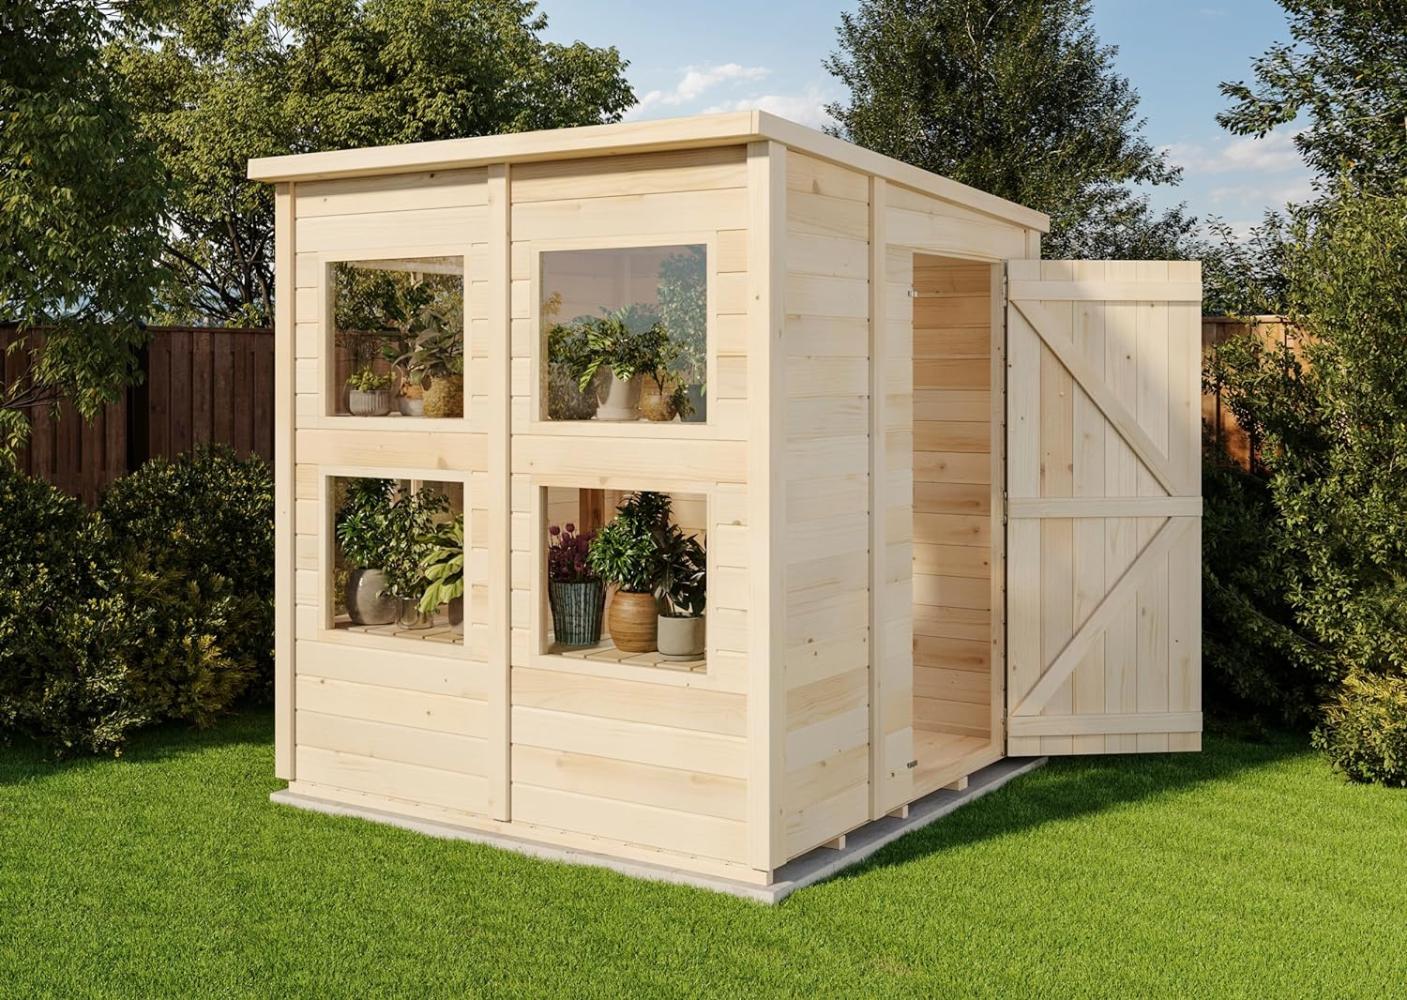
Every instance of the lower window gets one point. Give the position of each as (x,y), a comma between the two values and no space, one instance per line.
(398,558)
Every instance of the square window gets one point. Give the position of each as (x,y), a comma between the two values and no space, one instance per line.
(625,577)
(398,558)
(397,337)
(625,333)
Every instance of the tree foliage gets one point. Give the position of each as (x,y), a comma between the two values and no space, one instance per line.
(1016,97)
(1344,74)
(220,81)
(80,202)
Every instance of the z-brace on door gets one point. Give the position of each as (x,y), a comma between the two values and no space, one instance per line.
(1104,506)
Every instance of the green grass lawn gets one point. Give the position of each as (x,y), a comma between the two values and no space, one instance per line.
(1248,870)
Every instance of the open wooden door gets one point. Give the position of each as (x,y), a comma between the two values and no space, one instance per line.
(1104,507)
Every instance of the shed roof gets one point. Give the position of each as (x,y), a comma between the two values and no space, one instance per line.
(634,137)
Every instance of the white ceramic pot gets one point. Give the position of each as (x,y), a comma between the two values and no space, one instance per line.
(376,403)
(681,638)
(412,407)
(622,400)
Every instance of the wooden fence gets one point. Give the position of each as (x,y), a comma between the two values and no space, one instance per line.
(1221,429)
(201,386)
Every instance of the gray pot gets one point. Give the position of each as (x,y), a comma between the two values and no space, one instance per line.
(681,638)
(367,600)
(576,612)
(456,612)
(376,403)
(411,616)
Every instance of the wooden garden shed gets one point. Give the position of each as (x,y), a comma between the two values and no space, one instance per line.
(949,492)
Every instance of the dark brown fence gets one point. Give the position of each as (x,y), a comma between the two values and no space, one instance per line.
(1223,432)
(202,386)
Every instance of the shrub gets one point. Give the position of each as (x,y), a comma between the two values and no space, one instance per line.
(1364,731)
(64,620)
(194,538)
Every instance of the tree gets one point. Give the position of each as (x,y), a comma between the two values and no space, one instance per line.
(220,81)
(1345,72)
(80,203)
(1016,97)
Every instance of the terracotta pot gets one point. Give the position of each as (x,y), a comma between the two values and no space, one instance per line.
(445,397)
(376,403)
(634,621)
(367,600)
(655,404)
(681,638)
(622,400)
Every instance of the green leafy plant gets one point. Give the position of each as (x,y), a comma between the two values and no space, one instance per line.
(382,525)
(626,550)
(682,293)
(367,380)
(629,341)
(443,567)
(1364,732)
(683,567)
(436,353)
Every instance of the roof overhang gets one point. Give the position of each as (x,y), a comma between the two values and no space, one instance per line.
(701,131)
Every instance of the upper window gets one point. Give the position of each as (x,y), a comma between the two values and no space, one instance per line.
(398,337)
(625,333)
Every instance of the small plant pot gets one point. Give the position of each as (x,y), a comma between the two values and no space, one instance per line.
(622,399)
(456,612)
(654,404)
(375,403)
(410,616)
(445,397)
(634,622)
(411,407)
(681,638)
(367,600)
(576,612)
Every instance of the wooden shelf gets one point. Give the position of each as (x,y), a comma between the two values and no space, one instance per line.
(439,630)
(605,651)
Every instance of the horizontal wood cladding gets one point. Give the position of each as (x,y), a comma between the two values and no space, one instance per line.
(952,496)
(825,536)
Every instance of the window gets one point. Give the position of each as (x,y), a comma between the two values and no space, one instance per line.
(626,577)
(625,333)
(398,337)
(398,558)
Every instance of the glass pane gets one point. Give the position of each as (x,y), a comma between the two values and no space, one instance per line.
(398,337)
(626,333)
(398,558)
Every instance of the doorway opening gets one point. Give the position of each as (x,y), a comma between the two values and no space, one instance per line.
(955,717)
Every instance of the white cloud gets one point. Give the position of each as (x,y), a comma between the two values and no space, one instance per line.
(1294,189)
(695,82)
(1272,154)
(807,108)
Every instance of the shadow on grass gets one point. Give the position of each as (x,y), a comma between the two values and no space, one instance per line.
(26,761)
(1069,788)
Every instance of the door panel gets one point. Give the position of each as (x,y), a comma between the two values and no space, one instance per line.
(1104,506)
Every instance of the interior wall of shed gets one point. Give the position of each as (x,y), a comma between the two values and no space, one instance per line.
(952,531)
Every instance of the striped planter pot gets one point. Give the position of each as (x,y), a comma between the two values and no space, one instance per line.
(576,612)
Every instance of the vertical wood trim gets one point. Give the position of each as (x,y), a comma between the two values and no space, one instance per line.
(880,803)
(766,474)
(498,500)
(998,514)
(284,459)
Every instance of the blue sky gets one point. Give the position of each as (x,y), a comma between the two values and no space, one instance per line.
(728,54)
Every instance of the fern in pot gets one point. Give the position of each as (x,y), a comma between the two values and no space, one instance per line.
(574,590)
(626,553)
(683,567)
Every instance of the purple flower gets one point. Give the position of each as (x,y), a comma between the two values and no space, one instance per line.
(554,531)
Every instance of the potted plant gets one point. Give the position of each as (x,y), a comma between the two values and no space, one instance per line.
(436,361)
(619,348)
(443,570)
(664,394)
(574,590)
(566,347)
(626,553)
(681,590)
(384,532)
(368,393)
